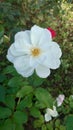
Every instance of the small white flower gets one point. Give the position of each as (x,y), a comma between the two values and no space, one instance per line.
(50,113)
(60,99)
(34,50)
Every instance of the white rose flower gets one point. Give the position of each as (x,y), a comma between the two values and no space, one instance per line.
(34,50)
(60,99)
(50,113)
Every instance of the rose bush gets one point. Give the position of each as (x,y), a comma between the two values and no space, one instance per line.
(31,98)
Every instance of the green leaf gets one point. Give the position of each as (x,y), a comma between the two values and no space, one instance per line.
(35,112)
(35,81)
(2,78)
(71,101)
(15,82)
(71,104)
(10,101)
(57,123)
(8,125)
(1,127)
(19,127)
(24,91)
(1,124)
(69,122)
(61,127)
(5,112)
(37,123)
(49,126)
(10,70)
(2,93)
(20,117)
(25,103)
(43,96)
(44,127)
(39,104)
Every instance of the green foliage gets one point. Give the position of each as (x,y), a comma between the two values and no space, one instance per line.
(10,101)
(24,91)
(57,123)
(44,97)
(44,127)
(23,101)
(20,117)
(35,112)
(35,81)
(19,127)
(69,122)
(1,31)
(2,93)
(38,122)
(9,125)
(10,70)
(1,34)
(71,101)
(49,126)
(15,82)
(62,127)
(5,112)
(2,78)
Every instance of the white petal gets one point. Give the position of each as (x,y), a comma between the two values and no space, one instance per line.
(35,61)
(23,42)
(52,50)
(45,47)
(27,74)
(47,117)
(9,56)
(14,51)
(60,99)
(19,50)
(51,62)
(45,38)
(36,34)
(42,71)
(55,64)
(49,111)
(55,50)
(52,53)
(53,112)
(23,67)
(23,35)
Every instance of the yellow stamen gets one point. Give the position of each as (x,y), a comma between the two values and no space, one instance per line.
(35,51)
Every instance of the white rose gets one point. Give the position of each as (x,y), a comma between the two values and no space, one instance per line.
(34,50)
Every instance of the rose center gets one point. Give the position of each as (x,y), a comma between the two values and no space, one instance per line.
(35,51)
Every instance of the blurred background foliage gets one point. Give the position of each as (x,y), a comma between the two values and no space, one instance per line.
(21,15)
